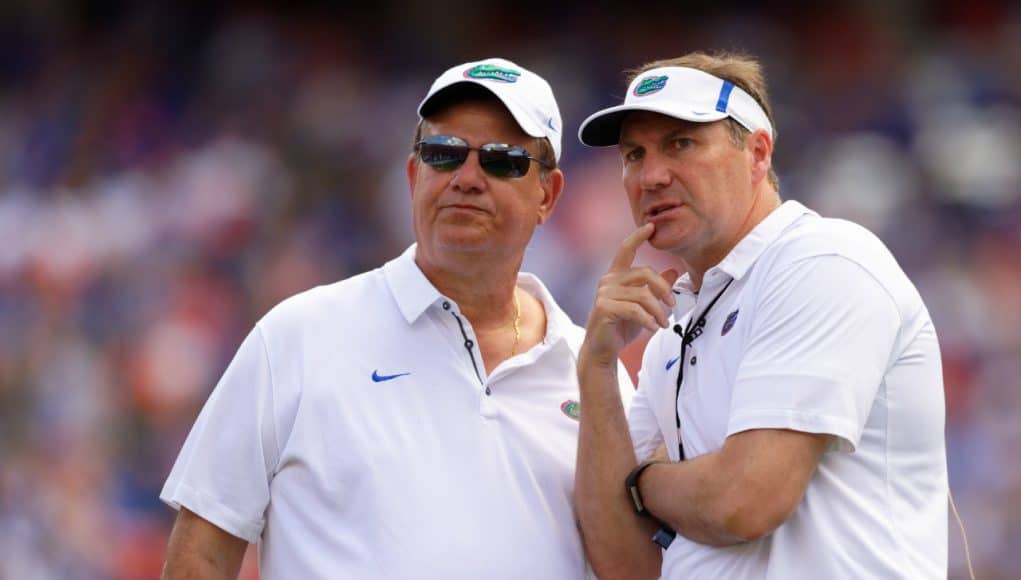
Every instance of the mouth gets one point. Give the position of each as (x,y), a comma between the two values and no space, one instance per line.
(465,207)
(660,210)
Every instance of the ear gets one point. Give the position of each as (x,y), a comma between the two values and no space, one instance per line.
(552,187)
(760,145)
(412,170)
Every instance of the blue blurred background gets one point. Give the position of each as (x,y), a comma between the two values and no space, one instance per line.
(168,173)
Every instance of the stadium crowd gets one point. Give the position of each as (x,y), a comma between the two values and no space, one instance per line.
(168,175)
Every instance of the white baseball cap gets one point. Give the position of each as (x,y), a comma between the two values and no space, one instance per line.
(526,95)
(679,92)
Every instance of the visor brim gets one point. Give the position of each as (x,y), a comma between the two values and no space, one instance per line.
(602,129)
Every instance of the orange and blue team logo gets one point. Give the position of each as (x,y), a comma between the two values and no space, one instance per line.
(492,72)
(729,322)
(650,85)
(571,408)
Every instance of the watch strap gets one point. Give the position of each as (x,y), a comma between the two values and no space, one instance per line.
(631,486)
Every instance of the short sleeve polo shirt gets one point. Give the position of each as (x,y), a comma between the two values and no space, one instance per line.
(815,328)
(356,434)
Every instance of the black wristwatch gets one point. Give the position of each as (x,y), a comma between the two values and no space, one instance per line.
(665,535)
(631,485)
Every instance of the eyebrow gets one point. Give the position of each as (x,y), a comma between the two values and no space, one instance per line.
(683,129)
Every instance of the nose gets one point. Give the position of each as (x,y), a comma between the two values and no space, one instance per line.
(469,177)
(654,173)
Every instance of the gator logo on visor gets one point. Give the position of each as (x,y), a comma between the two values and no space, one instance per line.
(650,85)
(492,72)
(571,408)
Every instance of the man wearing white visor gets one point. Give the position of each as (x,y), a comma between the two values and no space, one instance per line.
(794,376)
(419,420)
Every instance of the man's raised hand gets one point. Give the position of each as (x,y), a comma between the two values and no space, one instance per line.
(628,299)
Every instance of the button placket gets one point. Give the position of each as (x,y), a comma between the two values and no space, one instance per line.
(464,327)
(692,330)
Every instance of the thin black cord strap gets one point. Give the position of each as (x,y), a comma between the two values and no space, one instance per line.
(691,332)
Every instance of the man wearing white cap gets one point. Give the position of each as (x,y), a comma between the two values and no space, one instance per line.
(419,420)
(794,376)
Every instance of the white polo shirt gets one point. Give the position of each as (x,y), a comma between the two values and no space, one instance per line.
(819,331)
(355,436)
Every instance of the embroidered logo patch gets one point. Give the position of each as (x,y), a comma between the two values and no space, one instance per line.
(729,322)
(492,72)
(571,408)
(650,85)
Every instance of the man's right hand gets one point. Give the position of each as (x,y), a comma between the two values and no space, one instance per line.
(628,299)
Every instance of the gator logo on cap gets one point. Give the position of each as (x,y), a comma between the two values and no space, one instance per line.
(571,408)
(492,72)
(650,85)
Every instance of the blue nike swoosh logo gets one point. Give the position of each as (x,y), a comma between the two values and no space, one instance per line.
(378,378)
(672,362)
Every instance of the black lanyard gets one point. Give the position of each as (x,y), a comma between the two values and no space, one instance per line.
(690,333)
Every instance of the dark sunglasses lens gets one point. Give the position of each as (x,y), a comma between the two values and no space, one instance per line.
(442,157)
(504,162)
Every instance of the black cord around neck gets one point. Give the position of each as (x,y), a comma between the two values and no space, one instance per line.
(688,336)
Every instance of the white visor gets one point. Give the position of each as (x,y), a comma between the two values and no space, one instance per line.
(679,92)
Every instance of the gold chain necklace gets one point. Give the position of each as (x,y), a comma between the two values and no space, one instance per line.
(517,324)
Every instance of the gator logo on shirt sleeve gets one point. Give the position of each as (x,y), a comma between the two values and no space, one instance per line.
(650,85)
(729,322)
(492,72)
(571,408)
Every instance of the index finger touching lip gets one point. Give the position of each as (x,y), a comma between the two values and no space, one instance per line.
(629,247)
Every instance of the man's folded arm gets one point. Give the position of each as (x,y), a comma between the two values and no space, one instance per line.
(740,493)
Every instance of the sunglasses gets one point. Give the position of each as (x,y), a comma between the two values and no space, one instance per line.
(447,153)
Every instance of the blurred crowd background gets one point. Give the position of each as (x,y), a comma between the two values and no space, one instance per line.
(170,171)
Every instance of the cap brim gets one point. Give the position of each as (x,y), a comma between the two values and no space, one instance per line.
(438,100)
(449,93)
(602,128)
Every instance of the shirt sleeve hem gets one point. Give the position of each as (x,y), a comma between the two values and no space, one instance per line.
(846,432)
(212,511)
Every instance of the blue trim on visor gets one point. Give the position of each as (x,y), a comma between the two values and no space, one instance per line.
(721,104)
